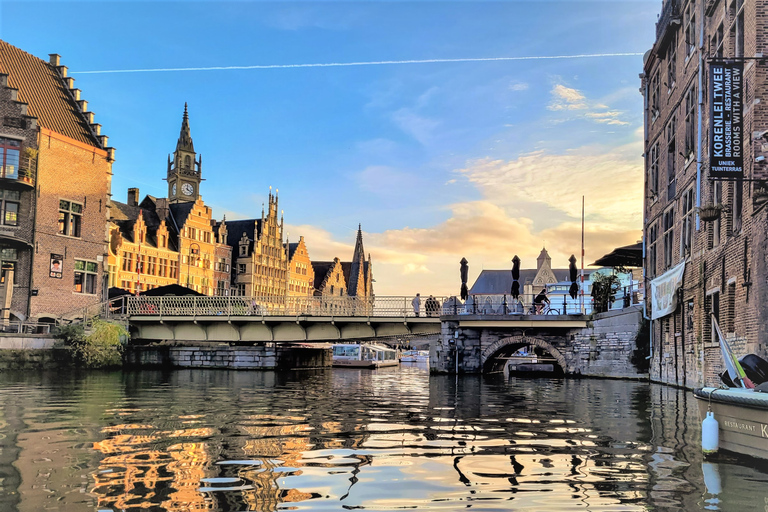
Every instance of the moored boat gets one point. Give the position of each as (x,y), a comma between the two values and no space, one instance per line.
(358,355)
(742,417)
(415,356)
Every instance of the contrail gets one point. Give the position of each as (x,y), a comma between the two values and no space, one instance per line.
(346,64)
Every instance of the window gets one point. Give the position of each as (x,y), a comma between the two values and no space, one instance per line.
(672,62)
(655,87)
(671,159)
(9,207)
(85,276)
(738,202)
(221,288)
(669,239)
(653,170)
(717,198)
(717,42)
(240,289)
(730,324)
(686,235)
(174,269)
(70,217)
(128,262)
(737,29)
(690,29)
(243,250)
(9,158)
(690,121)
(162,241)
(8,260)
(241,268)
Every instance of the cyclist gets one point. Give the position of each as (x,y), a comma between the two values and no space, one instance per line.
(538,302)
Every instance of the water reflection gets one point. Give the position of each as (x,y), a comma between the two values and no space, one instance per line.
(378,440)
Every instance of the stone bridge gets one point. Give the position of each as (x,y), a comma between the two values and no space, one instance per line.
(603,346)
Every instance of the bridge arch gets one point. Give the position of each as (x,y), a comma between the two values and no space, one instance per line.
(507,346)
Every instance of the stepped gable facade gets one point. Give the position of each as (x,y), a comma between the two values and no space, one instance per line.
(260,261)
(55,181)
(301,274)
(330,280)
(173,240)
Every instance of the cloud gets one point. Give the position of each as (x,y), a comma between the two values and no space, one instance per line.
(568,99)
(419,127)
(565,98)
(518,86)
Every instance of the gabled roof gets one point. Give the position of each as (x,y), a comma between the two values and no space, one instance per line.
(498,282)
(321,269)
(291,249)
(49,99)
(180,212)
(236,228)
(124,216)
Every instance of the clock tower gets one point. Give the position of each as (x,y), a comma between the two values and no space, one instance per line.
(184,172)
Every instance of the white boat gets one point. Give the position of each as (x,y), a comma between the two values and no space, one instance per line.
(415,356)
(742,418)
(356,355)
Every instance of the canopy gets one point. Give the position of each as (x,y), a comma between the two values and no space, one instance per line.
(627,256)
(171,289)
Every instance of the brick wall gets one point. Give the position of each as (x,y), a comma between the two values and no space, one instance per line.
(71,171)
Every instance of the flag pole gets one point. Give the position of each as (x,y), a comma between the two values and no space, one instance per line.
(582,255)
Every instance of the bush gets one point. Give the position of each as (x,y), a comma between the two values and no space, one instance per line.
(103,347)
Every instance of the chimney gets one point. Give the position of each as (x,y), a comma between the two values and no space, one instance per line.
(133,197)
(55,59)
(161,208)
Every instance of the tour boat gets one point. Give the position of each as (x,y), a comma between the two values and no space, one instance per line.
(354,355)
(415,356)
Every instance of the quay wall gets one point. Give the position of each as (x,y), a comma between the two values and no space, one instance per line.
(31,352)
(260,357)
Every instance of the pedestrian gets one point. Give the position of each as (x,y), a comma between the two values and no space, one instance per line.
(416,303)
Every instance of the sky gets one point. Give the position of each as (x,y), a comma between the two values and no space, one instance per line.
(446,129)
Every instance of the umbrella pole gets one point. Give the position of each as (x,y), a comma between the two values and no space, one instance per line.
(582,255)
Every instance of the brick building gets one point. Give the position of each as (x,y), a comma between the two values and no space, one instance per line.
(346,278)
(705,236)
(55,184)
(173,240)
(301,275)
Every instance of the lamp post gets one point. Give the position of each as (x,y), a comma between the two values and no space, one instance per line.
(194,248)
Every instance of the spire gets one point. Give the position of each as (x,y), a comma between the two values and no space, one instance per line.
(359,254)
(185,137)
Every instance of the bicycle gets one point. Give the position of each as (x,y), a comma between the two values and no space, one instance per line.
(546,309)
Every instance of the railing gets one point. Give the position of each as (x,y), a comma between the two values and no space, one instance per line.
(19,327)
(670,12)
(523,305)
(286,306)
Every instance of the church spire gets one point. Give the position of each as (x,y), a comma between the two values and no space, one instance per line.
(359,255)
(185,137)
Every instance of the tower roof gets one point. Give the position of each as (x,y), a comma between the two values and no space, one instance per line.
(185,137)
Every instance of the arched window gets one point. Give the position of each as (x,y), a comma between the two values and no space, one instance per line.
(187,162)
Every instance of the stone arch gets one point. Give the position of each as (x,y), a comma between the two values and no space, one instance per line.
(491,350)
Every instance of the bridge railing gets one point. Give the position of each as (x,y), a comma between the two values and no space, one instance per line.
(506,305)
(280,306)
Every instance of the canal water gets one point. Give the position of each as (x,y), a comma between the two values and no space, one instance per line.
(345,439)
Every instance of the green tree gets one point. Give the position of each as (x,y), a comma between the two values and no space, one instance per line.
(604,288)
(101,348)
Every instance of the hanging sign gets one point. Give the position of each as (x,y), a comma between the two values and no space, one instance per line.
(664,291)
(726,109)
(56,264)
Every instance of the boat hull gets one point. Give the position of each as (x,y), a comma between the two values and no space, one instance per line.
(742,418)
(344,363)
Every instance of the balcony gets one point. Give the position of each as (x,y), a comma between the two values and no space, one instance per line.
(668,23)
(25,175)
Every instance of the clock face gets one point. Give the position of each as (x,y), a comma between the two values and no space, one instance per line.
(187,189)
(173,190)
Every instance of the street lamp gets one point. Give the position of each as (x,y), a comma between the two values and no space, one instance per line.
(194,248)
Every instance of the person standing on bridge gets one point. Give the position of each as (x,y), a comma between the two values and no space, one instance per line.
(416,303)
